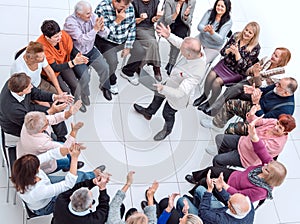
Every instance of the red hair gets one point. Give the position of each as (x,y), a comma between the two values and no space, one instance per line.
(287,121)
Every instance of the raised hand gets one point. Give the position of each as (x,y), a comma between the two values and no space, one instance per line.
(56,108)
(185,209)
(219,182)
(120,16)
(209,181)
(163,31)
(130,177)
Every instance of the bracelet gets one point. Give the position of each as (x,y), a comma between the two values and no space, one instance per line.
(72,62)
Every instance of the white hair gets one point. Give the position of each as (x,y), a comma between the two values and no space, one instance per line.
(81,5)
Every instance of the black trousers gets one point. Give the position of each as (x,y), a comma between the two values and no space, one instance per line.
(109,51)
(168,111)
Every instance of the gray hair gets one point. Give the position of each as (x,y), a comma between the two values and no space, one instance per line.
(81,200)
(34,121)
(81,5)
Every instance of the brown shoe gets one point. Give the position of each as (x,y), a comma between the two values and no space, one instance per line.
(157,73)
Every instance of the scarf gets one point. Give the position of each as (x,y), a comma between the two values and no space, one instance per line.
(254,179)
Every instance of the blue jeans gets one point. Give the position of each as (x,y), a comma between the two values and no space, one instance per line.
(63,163)
(98,62)
(194,206)
(49,208)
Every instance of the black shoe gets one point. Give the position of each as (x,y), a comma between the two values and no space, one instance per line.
(203,106)
(106,94)
(80,164)
(85,100)
(144,204)
(157,73)
(82,108)
(161,135)
(169,68)
(189,178)
(142,111)
(199,100)
(61,139)
(101,168)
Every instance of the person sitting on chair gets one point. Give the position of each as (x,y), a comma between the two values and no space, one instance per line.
(33,63)
(186,75)
(214,27)
(256,181)
(83,26)
(271,101)
(58,47)
(16,101)
(74,206)
(239,53)
(146,14)
(231,209)
(119,18)
(35,137)
(40,191)
(261,74)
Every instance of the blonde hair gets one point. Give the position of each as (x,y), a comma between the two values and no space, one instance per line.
(193,219)
(276,178)
(137,218)
(254,40)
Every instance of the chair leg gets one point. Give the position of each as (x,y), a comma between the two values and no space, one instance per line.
(15,197)
(3,162)
(7,195)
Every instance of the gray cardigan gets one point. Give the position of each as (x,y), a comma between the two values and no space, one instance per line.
(114,214)
(170,8)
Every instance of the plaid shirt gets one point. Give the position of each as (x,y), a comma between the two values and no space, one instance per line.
(119,33)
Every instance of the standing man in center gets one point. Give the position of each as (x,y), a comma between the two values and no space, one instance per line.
(119,18)
(188,72)
(82,26)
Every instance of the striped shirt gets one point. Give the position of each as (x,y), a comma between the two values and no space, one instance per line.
(119,33)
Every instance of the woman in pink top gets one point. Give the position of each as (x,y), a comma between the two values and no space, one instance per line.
(236,150)
(256,182)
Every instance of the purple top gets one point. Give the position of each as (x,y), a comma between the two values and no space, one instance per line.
(82,32)
(239,182)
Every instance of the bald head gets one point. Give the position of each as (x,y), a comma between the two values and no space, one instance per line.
(239,204)
(191,48)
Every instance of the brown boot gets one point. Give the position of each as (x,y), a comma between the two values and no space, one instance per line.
(157,73)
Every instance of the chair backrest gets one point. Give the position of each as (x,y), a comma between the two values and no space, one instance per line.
(19,52)
(29,213)
(9,151)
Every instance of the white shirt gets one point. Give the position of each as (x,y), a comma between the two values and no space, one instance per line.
(40,194)
(20,65)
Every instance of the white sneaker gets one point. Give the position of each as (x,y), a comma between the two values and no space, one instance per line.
(211,150)
(132,79)
(114,89)
(207,123)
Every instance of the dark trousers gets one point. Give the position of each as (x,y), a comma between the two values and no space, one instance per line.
(97,61)
(200,175)
(110,50)
(227,151)
(168,111)
(233,92)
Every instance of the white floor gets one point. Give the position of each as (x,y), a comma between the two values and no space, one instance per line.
(120,138)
